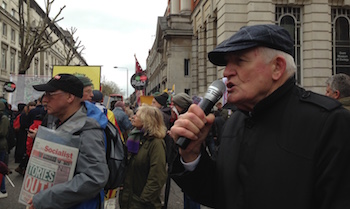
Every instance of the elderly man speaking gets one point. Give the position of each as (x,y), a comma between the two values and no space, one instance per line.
(285,148)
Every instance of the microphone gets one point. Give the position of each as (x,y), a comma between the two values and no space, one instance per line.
(214,93)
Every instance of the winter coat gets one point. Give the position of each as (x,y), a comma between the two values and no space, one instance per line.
(292,151)
(4,128)
(122,119)
(30,140)
(145,177)
(91,172)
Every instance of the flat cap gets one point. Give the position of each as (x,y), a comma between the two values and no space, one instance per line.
(271,36)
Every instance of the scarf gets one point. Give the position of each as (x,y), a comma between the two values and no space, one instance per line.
(133,141)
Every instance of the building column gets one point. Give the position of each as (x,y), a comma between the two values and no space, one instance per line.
(317,46)
(194,66)
(175,7)
(202,61)
(211,44)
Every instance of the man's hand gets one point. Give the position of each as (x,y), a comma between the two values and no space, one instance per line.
(30,202)
(32,133)
(193,125)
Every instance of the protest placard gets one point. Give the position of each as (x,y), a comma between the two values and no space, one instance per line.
(52,161)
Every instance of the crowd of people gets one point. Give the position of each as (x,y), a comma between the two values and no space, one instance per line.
(272,145)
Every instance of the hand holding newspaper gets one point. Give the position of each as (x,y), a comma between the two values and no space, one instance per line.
(52,161)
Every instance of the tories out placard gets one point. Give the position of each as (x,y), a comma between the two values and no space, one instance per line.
(52,161)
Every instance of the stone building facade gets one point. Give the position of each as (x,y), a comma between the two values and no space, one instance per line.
(168,63)
(10,55)
(320,29)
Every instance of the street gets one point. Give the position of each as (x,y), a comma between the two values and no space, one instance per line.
(11,202)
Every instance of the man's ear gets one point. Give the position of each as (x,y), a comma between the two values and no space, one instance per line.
(70,98)
(279,67)
(336,94)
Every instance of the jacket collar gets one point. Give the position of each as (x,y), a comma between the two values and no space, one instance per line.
(75,122)
(272,98)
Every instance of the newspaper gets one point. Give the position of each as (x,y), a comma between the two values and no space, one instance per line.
(52,161)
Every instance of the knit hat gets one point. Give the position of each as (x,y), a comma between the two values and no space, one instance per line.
(120,104)
(85,80)
(162,99)
(98,96)
(183,100)
(65,82)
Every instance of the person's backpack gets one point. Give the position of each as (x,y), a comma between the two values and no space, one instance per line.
(116,155)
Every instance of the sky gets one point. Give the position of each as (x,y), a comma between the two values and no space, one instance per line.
(112,31)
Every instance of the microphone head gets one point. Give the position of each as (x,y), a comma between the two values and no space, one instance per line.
(215,91)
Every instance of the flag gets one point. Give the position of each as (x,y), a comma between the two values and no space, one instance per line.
(138,68)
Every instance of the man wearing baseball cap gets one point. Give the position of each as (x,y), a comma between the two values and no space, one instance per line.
(63,94)
(285,147)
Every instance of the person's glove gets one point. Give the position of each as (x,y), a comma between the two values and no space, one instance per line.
(3,168)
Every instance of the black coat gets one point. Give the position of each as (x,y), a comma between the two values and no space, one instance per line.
(292,152)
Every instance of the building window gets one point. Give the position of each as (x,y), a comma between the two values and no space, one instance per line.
(4,29)
(13,12)
(188,91)
(340,40)
(36,66)
(46,69)
(13,35)
(4,5)
(12,61)
(19,61)
(186,67)
(290,19)
(3,58)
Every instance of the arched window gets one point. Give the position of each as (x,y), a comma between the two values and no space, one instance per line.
(341,41)
(289,18)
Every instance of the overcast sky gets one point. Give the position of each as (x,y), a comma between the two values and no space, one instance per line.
(112,31)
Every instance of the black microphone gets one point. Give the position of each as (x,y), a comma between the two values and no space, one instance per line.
(214,93)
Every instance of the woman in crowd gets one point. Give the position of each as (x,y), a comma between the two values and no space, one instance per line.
(146,172)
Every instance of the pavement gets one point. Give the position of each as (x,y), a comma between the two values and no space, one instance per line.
(11,202)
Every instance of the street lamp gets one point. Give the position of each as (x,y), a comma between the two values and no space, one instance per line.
(127,79)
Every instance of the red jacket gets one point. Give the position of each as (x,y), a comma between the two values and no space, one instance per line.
(30,141)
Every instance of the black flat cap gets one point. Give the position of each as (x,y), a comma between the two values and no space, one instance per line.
(271,36)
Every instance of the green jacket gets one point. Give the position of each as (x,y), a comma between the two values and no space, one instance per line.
(145,177)
(4,128)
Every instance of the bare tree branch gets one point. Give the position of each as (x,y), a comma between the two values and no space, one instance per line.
(74,48)
(35,38)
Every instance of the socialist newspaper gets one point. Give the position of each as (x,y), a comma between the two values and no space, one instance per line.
(52,161)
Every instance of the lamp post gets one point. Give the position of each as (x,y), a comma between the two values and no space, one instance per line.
(127,79)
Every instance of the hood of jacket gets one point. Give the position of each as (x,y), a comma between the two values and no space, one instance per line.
(95,113)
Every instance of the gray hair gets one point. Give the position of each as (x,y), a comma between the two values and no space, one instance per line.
(271,53)
(340,82)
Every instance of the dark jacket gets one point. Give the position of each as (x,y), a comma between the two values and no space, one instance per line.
(292,151)
(145,177)
(4,127)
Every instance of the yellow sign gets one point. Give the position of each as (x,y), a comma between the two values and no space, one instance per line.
(146,99)
(92,72)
